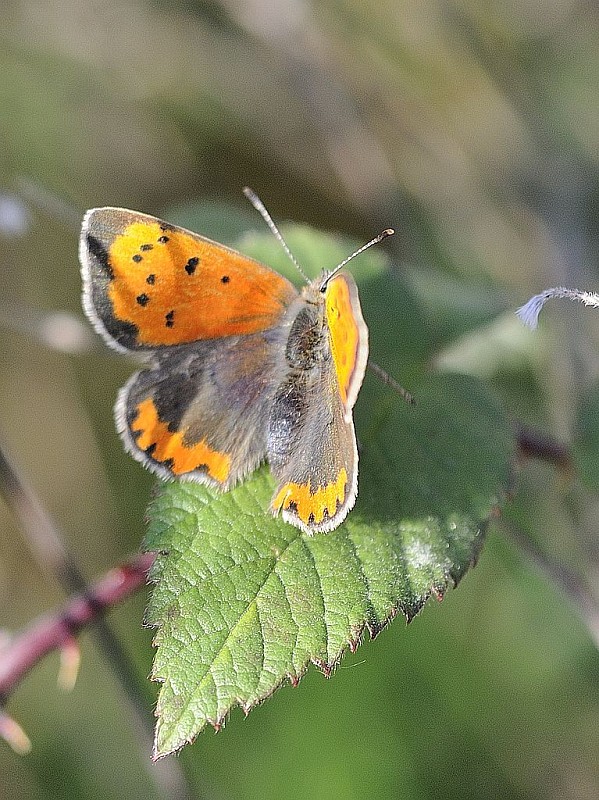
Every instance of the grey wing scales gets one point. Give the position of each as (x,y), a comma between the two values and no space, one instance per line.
(200,412)
(312,452)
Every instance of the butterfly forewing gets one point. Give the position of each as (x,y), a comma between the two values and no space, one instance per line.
(149,284)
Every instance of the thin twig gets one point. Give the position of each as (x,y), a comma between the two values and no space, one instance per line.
(44,538)
(569,581)
(47,545)
(52,631)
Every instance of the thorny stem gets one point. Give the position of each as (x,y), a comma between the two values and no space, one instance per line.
(87,606)
(47,545)
(51,631)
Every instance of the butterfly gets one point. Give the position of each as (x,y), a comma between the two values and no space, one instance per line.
(241,367)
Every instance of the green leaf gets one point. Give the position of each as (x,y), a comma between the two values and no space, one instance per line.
(244,601)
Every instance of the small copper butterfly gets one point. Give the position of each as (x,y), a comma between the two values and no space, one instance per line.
(241,368)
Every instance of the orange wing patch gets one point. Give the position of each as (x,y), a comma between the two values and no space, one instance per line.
(175,287)
(311,507)
(170,449)
(344,331)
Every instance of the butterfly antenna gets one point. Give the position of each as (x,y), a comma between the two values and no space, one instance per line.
(383,235)
(261,208)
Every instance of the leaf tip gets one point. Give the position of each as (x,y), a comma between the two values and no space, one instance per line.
(438,592)
(294,680)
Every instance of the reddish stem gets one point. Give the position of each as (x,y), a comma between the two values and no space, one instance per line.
(51,631)
(534,444)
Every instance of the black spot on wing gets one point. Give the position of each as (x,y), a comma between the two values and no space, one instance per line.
(191,265)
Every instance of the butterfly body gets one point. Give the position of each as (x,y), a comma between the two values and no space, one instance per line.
(241,367)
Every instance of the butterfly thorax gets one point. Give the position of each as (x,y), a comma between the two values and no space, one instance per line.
(308,342)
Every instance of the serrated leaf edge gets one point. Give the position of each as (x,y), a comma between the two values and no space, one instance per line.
(451,580)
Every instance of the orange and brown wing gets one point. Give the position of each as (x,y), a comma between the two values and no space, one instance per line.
(148,284)
(200,412)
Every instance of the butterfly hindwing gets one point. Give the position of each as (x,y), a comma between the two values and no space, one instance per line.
(313,456)
(200,413)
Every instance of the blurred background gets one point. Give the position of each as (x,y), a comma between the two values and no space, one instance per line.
(472,129)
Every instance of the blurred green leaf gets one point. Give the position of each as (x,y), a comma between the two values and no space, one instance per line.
(244,601)
(585,444)
(222,222)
